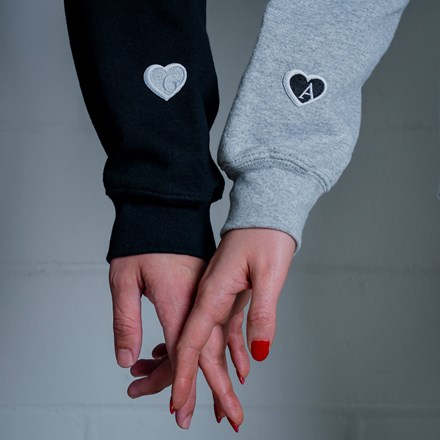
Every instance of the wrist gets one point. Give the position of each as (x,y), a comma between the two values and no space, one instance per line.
(274,198)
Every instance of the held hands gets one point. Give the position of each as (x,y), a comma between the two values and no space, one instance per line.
(170,282)
(249,264)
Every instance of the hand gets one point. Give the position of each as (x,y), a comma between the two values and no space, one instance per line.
(169,281)
(256,259)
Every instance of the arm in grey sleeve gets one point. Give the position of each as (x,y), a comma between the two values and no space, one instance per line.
(296,116)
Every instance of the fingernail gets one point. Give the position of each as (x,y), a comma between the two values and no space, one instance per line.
(124,357)
(187,422)
(260,350)
(171,406)
(240,378)
(217,417)
(234,425)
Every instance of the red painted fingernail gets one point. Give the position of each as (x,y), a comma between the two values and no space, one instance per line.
(171,406)
(234,425)
(260,350)
(217,417)
(240,378)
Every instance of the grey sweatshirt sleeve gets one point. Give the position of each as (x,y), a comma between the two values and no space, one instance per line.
(296,116)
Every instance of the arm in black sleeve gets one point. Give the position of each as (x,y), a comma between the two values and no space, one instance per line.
(154,125)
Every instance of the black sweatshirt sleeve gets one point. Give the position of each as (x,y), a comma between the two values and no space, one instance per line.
(154,125)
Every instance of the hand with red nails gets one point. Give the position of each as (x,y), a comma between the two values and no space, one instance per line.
(170,282)
(249,264)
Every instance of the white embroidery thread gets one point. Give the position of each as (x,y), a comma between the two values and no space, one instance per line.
(308,91)
(166,81)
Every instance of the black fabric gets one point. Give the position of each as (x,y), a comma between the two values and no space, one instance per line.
(161,227)
(158,151)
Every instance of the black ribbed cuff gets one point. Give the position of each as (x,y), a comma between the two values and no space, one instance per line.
(142,227)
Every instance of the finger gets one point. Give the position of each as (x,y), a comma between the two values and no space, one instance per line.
(241,301)
(158,380)
(211,307)
(127,324)
(172,328)
(159,351)
(144,367)
(261,319)
(218,410)
(237,347)
(215,369)
(184,415)
(172,323)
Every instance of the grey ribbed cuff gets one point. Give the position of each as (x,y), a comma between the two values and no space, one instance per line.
(272,197)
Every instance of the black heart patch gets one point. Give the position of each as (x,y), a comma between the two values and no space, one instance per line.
(303,89)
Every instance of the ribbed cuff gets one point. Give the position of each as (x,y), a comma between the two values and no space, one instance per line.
(271,197)
(152,227)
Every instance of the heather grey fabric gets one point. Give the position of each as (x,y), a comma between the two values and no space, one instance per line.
(295,120)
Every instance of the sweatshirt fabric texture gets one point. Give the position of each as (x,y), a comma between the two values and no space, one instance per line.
(296,117)
(149,84)
(159,173)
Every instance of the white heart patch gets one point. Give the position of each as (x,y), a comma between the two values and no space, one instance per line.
(166,81)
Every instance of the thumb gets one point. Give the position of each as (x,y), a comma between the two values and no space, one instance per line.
(127,321)
(261,319)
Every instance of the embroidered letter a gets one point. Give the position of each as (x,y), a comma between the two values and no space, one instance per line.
(303,89)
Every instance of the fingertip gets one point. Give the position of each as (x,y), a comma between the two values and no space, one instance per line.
(124,358)
(241,379)
(179,398)
(186,423)
(218,417)
(260,349)
(181,387)
(159,351)
(130,393)
(235,427)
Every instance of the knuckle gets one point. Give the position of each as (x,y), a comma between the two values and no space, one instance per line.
(261,318)
(119,281)
(236,325)
(235,339)
(212,358)
(269,272)
(183,349)
(124,327)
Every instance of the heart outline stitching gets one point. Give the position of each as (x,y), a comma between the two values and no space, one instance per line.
(149,81)
(286,83)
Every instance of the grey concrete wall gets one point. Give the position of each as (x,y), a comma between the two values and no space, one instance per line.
(357,354)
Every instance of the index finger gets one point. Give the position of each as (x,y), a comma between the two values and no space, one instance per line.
(208,311)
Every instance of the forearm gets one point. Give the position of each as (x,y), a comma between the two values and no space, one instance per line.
(286,143)
(159,172)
